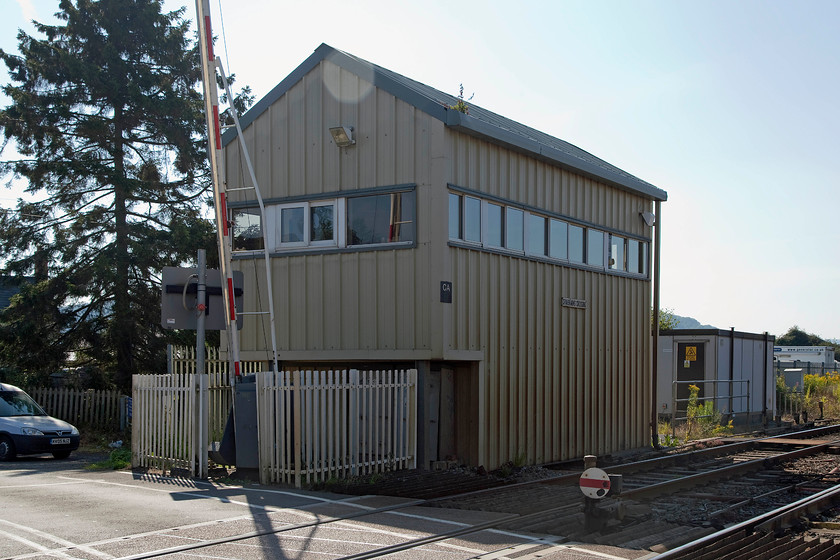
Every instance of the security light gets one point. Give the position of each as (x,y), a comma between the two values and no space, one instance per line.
(342,135)
(648,217)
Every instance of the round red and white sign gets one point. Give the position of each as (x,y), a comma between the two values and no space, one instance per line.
(594,483)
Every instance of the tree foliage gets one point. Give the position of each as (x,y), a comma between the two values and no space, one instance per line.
(107,120)
(667,320)
(797,337)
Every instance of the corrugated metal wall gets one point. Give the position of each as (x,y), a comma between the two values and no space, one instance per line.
(555,382)
(558,382)
(294,155)
(352,304)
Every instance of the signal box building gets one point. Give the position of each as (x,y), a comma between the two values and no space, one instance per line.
(511,268)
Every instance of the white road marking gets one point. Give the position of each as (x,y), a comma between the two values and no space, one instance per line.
(269,510)
(31,544)
(186,492)
(222,499)
(58,540)
(41,485)
(346,501)
(160,532)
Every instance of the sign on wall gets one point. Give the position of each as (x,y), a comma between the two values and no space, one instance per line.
(446,292)
(574,303)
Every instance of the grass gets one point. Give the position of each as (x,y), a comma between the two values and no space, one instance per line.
(118,459)
(818,399)
(702,421)
(98,441)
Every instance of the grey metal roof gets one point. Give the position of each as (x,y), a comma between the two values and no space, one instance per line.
(479,122)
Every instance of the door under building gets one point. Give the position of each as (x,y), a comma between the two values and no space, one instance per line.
(691,369)
(452,412)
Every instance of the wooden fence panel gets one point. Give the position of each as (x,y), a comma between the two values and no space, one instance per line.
(90,408)
(165,423)
(182,360)
(315,425)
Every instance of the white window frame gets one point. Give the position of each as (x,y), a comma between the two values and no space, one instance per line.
(278,230)
(341,222)
(319,204)
(274,216)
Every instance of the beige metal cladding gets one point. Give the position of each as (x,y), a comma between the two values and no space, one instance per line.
(497,171)
(557,382)
(340,305)
(293,152)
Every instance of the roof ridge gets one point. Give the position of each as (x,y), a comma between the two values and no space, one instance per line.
(478,122)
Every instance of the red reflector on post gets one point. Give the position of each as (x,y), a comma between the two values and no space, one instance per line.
(223,202)
(208,32)
(216,133)
(230,300)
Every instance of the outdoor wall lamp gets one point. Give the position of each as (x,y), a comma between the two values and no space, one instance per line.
(648,217)
(342,136)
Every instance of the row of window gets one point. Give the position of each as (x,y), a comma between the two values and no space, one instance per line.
(498,226)
(341,222)
(387,218)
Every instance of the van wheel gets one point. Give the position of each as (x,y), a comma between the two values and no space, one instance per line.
(61,454)
(7,449)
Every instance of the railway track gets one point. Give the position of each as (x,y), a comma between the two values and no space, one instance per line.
(666,503)
(672,500)
(766,536)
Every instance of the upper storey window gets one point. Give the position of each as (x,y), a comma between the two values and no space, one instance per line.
(366,219)
(247,229)
(381,218)
(494,225)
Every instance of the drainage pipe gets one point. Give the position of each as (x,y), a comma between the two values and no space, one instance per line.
(655,325)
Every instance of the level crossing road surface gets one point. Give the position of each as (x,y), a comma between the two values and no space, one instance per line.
(58,509)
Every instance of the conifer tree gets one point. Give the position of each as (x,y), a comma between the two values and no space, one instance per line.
(106,118)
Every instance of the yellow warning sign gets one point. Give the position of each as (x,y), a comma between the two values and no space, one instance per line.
(691,353)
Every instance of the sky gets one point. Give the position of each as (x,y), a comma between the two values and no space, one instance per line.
(732,108)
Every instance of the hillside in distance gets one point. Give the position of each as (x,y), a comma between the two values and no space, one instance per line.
(690,323)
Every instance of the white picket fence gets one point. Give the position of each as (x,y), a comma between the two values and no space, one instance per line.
(315,425)
(90,408)
(181,360)
(167,432)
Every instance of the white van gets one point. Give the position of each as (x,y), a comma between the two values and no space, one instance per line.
(25,429)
